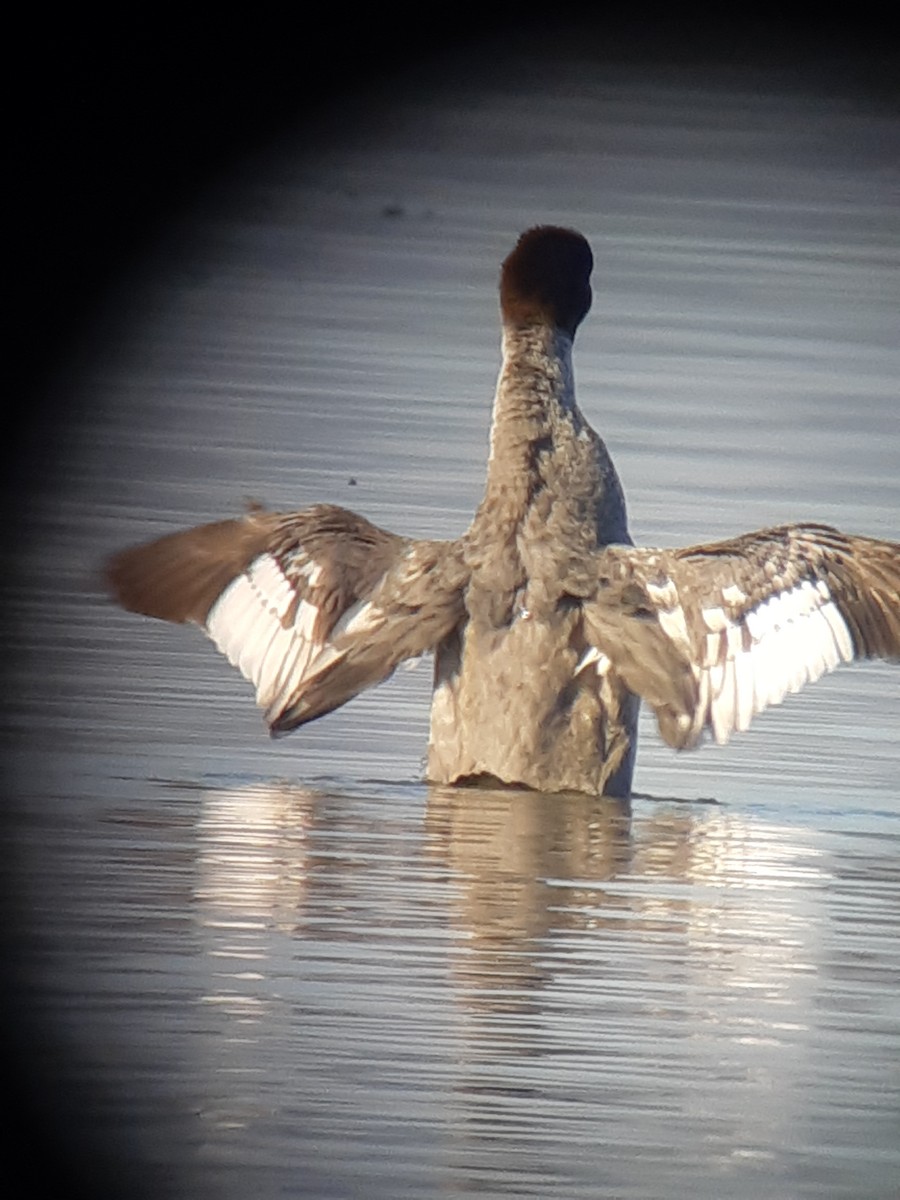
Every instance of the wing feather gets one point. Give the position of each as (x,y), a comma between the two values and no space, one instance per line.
(712,635)
(311,607)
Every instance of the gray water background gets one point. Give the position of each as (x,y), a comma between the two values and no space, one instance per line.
(292,969)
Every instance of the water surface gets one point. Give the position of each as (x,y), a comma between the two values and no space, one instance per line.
(291,968)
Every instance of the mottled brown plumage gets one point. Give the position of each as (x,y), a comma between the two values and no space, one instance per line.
(546,622)
(667,617)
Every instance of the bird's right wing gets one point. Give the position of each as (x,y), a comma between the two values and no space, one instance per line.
(712,635)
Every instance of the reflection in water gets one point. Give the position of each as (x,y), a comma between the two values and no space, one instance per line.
(526,871)
(627,952)
(508,849)
(250,887)
(543,867)
(250,883)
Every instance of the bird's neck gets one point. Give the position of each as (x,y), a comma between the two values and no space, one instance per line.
(535,398)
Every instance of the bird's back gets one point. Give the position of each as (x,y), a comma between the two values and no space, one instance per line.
(509,702)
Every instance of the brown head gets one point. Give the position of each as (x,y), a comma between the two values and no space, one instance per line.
(546,279)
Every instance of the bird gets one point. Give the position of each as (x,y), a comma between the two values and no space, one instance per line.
(548,626)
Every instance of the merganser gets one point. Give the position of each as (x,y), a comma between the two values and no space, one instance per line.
(547,624)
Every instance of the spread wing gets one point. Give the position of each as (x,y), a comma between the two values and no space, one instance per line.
(712,635)
(312,607)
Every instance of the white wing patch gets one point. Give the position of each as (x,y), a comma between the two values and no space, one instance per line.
(789,640)
(742,660)
(595,656)
(251,624)
(674,626)
(663,594)
(361,617)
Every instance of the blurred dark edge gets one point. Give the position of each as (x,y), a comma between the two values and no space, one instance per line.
(124,122)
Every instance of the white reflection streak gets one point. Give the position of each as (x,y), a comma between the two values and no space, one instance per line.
(245,881)
(752,933)
(745,893)
(694,947)
(251,875)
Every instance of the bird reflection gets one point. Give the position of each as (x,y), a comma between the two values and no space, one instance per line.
(530,885)
(508,849)
(357,935)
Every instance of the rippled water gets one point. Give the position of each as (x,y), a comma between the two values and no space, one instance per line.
(254,968)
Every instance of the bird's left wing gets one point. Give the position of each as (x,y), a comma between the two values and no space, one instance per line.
(312,607)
